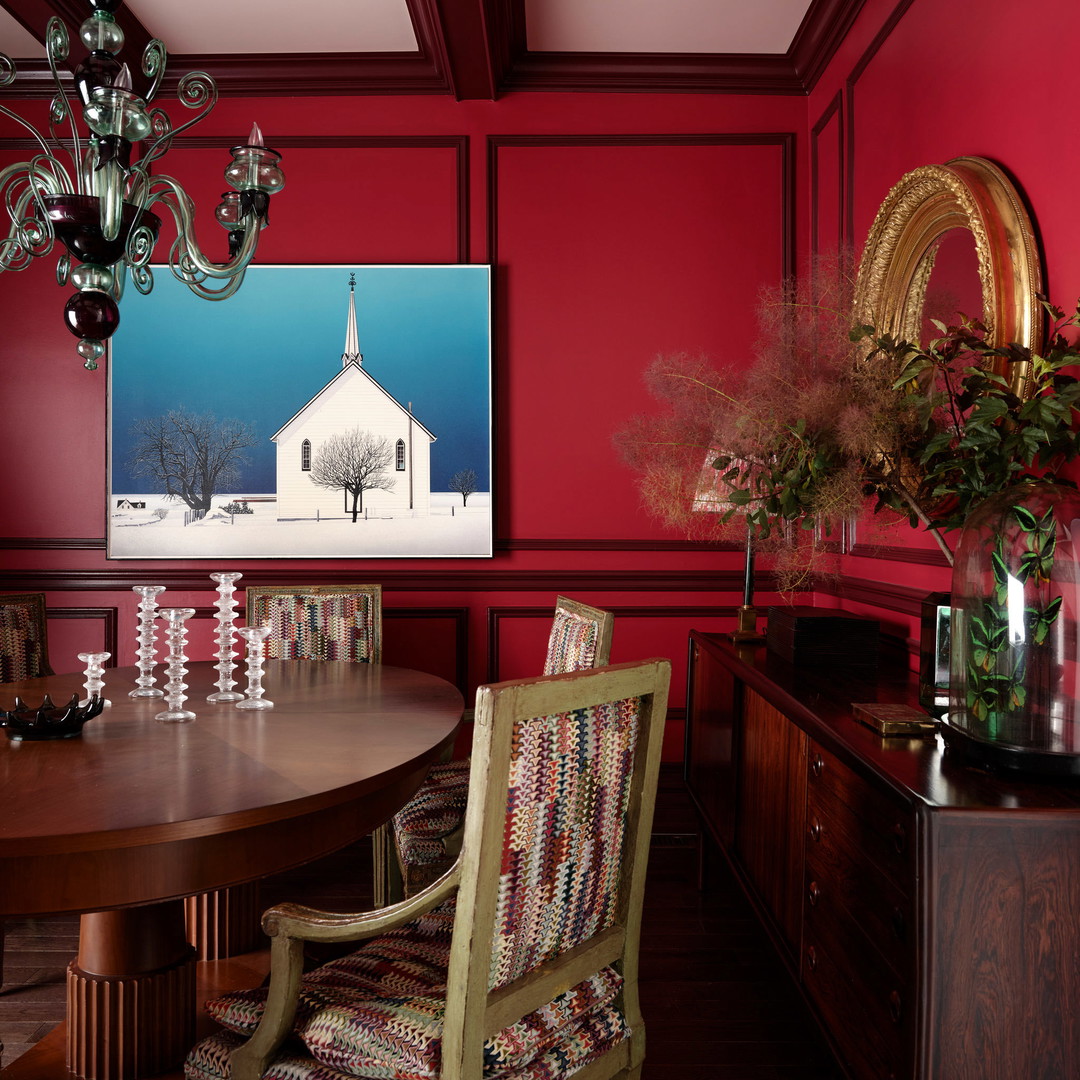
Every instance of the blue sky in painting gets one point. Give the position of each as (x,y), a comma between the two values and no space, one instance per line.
(265,352)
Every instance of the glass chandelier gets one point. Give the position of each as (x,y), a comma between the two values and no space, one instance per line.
(101,210)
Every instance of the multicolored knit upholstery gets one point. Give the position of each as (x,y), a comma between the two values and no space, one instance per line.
(566,812)
(579,639)
(318,626)
(421,828)
(22,644)
(571,644)
(378,1013)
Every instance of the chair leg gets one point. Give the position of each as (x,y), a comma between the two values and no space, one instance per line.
(388,887)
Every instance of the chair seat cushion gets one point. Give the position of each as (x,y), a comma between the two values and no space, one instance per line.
(378,1013)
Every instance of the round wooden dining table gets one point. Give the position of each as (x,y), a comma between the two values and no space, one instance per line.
(125,821)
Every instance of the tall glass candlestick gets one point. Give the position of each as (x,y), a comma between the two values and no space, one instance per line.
(226,605)
(176,636)
(254,636)
(147,638)
(95,664)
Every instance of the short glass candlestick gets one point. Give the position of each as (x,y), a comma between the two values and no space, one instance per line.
(95,665)
(176,669)
(147,639)
(226,605)
(255,636)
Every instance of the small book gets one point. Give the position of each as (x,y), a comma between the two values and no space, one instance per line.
(893,718)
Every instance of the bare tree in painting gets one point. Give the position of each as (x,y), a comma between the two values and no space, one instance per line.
(464,483)
(356,461)
(193,456)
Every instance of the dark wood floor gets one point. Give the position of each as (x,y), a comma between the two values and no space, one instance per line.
(718,1005)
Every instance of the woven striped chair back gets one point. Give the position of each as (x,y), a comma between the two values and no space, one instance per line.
(24,650)
(319,622)
(580,637)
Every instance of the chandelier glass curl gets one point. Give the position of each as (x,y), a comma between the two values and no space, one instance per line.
(101,205)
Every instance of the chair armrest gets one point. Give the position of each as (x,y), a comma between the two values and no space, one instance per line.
(289,926)
(311,924)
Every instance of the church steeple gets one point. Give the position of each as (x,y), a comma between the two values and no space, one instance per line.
(352,338)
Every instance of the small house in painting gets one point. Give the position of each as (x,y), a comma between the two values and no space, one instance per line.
(353,401)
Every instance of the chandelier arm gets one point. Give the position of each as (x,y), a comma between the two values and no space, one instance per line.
(57,49)
(154,60)
(223,293)
(166,190)
(195,89)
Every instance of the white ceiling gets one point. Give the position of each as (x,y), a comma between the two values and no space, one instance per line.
(207,27)
(470,48)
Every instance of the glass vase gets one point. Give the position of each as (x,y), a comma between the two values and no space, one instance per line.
(255,636)
(226,606)
(147,639)
(176,668)
(95,665)
(1014,671)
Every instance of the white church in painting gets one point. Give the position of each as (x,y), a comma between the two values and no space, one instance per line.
(352,400)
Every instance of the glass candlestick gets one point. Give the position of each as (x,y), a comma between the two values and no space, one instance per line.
(226,605)
(95,664)
(147,638)
(254,636)
(176,637)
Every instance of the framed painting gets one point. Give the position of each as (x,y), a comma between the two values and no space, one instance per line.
(320,412)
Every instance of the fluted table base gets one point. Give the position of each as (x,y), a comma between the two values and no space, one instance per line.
(131,993)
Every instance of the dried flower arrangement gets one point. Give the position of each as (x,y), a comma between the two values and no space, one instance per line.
(827,419)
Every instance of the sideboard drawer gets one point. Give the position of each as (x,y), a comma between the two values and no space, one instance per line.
(879,827)
(845,889)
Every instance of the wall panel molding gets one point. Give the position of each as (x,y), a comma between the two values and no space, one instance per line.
(835,109)
(460,617)
(105,615)
(451,579)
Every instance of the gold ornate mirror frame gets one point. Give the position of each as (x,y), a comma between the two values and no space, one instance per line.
(968,193)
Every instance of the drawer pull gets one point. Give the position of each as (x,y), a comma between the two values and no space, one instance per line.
(811,958)
(899,924)
(895,1009)
(815,830)
(814,893)
(899,837)
(817,766)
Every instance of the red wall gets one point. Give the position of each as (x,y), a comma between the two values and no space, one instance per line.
(619,226)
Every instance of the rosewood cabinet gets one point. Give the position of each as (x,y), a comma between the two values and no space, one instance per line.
(929,911)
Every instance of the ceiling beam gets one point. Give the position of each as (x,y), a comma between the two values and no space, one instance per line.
(457,36)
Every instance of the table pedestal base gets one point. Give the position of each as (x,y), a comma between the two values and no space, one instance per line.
(131,993)
(225,922)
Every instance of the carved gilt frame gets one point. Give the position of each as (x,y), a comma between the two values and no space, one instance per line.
(969,193)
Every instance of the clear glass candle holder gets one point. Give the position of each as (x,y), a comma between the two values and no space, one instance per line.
(176,636)
(147,640)
(95,665)
(255,636)
(226,606)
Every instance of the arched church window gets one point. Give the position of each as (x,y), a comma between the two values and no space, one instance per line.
(305,455)
(401,455)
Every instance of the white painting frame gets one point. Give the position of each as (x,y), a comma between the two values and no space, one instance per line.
(383,371)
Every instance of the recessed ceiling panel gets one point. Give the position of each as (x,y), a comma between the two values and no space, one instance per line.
(198,27)
(17,42)
(669,26)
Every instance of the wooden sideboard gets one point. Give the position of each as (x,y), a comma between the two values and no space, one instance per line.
(929,911)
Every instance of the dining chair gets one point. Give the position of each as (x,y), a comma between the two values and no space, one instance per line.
(521,962)
(426,832)
(307,622)
(319,622)
(24,637)
(24,654)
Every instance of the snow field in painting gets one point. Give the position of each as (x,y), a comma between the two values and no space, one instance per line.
(448,530)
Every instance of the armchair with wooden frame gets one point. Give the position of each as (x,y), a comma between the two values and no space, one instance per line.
(522,960)
(426,832)
(24,654)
